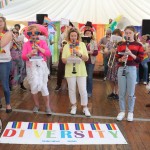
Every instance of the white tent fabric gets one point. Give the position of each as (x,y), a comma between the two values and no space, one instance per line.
(97,11)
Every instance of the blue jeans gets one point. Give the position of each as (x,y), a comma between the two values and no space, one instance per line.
(145,67)
(105,65)
(89,69)
(126,85)
(4,78)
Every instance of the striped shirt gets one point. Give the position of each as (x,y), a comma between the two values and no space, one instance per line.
(136,48)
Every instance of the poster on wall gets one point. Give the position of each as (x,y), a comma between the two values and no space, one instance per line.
(54,34)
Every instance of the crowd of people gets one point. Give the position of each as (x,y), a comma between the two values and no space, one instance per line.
(76,64)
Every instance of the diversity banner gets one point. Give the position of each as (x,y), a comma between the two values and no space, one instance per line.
(61,133)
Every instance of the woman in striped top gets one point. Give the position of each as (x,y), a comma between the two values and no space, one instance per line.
(129,62)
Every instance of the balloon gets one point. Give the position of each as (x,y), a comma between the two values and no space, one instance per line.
(113,25)
(123,23)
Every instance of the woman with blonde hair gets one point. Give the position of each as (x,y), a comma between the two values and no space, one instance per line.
(5,61)
(35,53)
(74,56)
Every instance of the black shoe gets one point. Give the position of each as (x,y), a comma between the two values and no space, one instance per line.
(147,105)
(8,111)
(1,106)
(57,88)
(23,88)
(111,96)
(0,125)
(116,97)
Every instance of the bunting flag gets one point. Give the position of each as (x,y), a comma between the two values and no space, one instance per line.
(4,3)
(47,20)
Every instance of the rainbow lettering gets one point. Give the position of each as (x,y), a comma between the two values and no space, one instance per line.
(47,126)
(79,126)
(64,126)
(32,125)
(16,125)
(111,126)
(95,126)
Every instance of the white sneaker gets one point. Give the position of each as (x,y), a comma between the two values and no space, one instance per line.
(104,79)
(35,109)
(48,111)
(120,116)
(144,83)
(86,112)
(73,110)
(130,116)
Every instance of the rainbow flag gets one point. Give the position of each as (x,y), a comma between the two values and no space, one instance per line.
(95,126)
(32,125)
(47,126)
(79,126)
(47,20)
(16,125)
(111,126)
(64,126)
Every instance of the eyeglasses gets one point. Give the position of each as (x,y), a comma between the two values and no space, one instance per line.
(33,33)
(15,32)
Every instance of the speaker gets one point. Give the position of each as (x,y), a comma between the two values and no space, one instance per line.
(145,26)
(40,18)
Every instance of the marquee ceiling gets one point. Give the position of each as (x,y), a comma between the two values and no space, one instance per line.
(97,11)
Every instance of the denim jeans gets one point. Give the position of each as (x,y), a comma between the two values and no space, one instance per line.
(126,85)
(4,78)
(89,69)
(138,75)
(145,68)
(105,65)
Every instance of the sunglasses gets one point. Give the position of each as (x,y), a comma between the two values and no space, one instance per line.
(15,32)
(33,33)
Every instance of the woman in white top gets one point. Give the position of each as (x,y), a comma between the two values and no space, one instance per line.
(5,61)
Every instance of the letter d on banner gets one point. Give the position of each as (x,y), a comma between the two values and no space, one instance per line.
(9,133)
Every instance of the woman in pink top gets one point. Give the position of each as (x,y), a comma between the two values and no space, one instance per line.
(35,53)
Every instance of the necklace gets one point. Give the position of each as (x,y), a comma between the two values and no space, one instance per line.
(1,35)
(37,41)
(74,46)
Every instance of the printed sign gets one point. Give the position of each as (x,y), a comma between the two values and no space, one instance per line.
(61,133)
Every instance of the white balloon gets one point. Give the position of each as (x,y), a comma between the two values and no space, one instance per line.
(123,23)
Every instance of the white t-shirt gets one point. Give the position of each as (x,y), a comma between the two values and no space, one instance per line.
(6,57)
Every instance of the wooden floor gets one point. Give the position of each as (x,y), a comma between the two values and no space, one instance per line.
(136,133)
